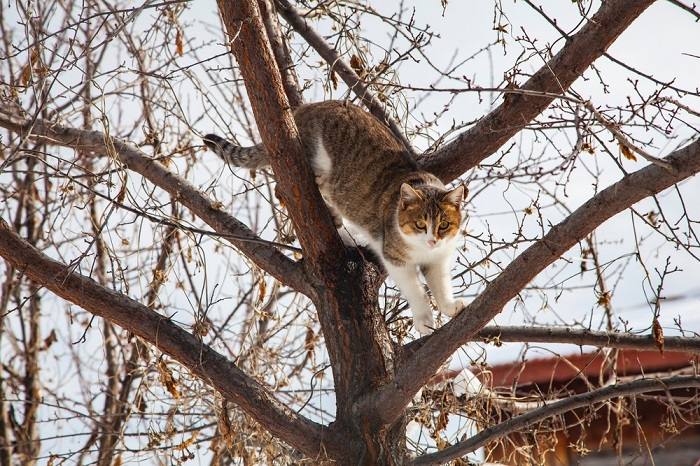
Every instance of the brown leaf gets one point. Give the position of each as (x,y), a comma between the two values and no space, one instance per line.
(356,64)
(179,43)
(188,442)
(627,152)
(334,80)
(50,340)
(26,74)
(225,426)
(262,289)
(167,379)
(122,191)
(309,341)
(658,334)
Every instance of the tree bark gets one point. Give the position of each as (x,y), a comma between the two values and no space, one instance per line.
(346,285)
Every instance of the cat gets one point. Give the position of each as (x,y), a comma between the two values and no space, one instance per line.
(367,178)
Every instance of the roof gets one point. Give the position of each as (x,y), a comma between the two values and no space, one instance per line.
(562,369)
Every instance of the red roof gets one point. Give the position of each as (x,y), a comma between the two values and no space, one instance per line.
(565,368)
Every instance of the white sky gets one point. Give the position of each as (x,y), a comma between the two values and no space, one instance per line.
(661,42)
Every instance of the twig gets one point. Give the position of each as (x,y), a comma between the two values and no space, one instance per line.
(339,66)
(577,401)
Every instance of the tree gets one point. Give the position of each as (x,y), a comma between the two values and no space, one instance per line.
(102,153)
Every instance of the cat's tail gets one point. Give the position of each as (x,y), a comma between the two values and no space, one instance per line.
(247,157)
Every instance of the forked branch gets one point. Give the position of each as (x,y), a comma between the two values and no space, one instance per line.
(157,329)
(344,70)
(313,224)
(555,76)
(264,255)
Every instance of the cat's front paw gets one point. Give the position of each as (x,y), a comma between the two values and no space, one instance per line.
(424,323)
(453,307)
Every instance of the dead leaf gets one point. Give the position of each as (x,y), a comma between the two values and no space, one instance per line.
(604,299)
(653,217)
(187,443)
(167,379)
(26,74)
(309,342)
(122,191)
(627,152)
(179,43)
(262,289)
(658,334)
(334,80)
(50,340)
(357,65)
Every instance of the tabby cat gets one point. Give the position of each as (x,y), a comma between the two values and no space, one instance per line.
(408,216)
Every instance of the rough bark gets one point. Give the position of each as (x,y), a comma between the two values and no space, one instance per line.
(517,110)
(346,285)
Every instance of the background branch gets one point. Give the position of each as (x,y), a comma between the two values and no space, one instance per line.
(268,258)
(559,407)
(281,52)
(157,329)
(338,65)
(581,337)
(517,111)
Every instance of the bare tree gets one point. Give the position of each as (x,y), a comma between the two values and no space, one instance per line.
(231,315)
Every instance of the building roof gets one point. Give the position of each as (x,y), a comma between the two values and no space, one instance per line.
(562,369)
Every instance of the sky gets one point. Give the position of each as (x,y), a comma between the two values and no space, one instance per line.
(663,42)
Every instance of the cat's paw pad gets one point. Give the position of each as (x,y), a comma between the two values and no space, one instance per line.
(453,307)
(424,324)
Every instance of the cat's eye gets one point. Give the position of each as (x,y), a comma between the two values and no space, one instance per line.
(420,224)
(444,224)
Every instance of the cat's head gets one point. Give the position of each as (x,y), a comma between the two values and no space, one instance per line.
(430,217)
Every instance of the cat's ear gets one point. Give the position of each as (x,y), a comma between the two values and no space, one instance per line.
(409,195)
(456,196)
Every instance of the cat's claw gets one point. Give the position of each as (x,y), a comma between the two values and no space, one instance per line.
(453,307)
(424,324)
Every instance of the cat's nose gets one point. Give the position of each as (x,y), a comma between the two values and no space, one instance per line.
(432,242)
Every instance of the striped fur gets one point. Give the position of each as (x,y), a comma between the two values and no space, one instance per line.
(408,216)
(252,157)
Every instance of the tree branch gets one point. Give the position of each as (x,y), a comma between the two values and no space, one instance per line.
(199,358)
(313,224)
(492,131)
(281,52)
(266,257)
(576,401)
(389,401)
(575,337)
(346,73)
